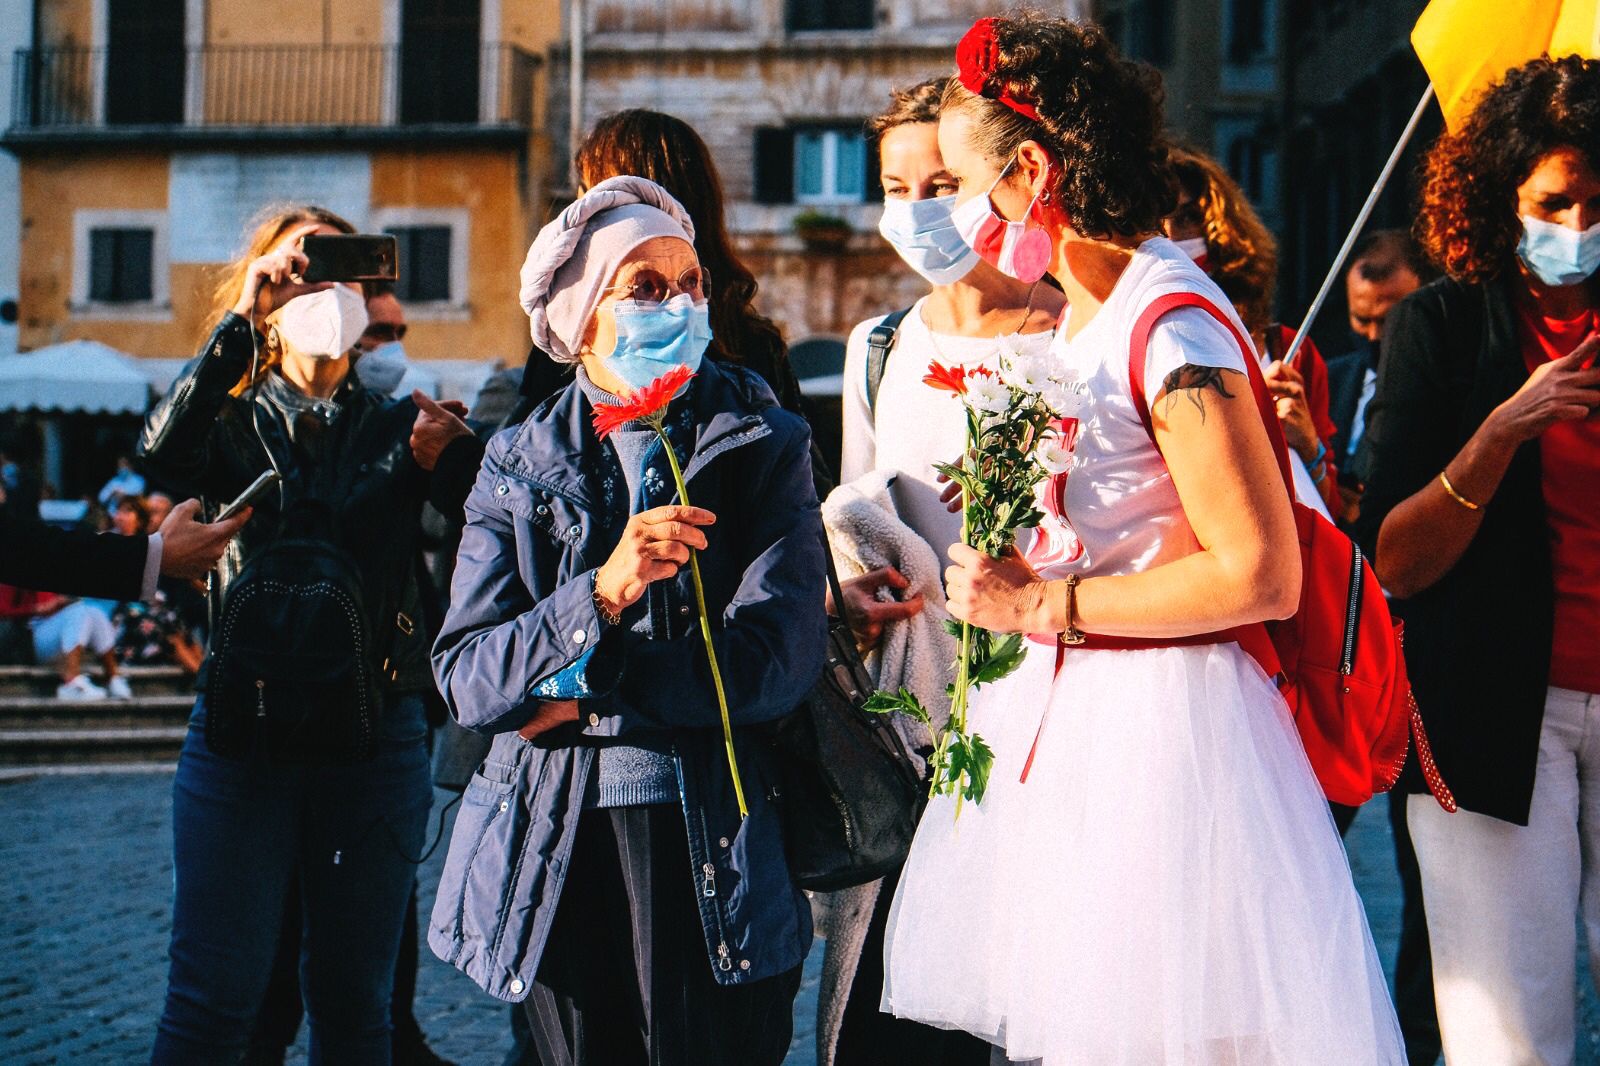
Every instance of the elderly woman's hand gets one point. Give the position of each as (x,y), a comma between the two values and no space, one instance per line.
(653,546)
(1001,595)
(549,715)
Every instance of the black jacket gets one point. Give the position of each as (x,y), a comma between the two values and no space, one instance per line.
(346,462)
(75,562)
(1477,642)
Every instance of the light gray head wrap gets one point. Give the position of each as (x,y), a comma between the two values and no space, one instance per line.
(574,258)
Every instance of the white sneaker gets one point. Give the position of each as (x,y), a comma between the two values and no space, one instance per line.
(117,688)
(80,688)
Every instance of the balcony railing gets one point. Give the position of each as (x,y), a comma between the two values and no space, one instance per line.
(272,87)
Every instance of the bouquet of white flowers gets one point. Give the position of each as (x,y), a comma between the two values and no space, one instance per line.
(1012,445)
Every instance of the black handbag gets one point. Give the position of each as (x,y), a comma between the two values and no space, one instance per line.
(849,792)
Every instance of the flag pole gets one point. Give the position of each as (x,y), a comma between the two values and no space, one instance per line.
(1360,224)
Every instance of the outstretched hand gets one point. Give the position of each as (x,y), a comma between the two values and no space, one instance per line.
(189,547)
(436,426)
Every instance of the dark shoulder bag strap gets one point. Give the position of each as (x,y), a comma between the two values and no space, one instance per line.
(879,341)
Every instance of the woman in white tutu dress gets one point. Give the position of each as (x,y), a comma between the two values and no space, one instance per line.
(1167,887)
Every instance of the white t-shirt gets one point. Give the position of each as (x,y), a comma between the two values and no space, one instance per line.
(913,425)
(1116,511)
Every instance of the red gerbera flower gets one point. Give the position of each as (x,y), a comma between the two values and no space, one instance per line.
(946,378)
(642,405)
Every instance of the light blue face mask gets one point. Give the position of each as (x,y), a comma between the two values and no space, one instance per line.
(921,231)
(654,338)
(1558,255)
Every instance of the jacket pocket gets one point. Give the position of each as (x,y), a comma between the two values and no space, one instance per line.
(486,807)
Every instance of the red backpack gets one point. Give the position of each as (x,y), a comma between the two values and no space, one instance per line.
(1338,661)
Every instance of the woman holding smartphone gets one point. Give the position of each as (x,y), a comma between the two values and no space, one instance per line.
(272,390)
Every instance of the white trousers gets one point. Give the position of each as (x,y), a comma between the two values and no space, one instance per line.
(1502,901)
(77,625)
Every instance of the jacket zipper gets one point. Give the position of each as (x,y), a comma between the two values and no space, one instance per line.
(1347,664)
(261,698)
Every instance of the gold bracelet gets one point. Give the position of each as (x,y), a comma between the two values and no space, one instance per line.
(1072,636)
(1456,496)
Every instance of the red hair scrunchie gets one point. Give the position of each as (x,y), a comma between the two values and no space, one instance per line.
(976,57)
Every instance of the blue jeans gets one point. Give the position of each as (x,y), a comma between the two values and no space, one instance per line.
(241,830)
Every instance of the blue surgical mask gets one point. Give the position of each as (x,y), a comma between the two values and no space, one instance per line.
(921,231)
(654,338)
(383,368)
(1558,255)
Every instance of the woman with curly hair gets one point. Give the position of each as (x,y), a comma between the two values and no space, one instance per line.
(1482,517)
(1152,876)
(1215,224)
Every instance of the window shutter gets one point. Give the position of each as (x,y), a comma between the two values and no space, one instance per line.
(424,264)
(774,166)
(120,265)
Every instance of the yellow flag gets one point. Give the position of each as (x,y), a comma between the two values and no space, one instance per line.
(1467,45)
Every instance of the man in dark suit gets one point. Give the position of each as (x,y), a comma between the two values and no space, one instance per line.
(1385,268)
(34,555)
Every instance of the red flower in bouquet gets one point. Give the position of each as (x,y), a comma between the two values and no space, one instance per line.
(642,405)
(947,378)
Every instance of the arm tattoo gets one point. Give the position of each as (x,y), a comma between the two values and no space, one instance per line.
(1194,380)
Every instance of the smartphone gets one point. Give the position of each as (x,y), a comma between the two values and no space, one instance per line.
(351,257)
(249,496)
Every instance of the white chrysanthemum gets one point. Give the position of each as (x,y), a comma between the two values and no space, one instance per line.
(1027,373)
(1053,456)
(986,393)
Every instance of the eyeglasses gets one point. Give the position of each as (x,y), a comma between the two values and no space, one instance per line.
(652,287)
(383,332)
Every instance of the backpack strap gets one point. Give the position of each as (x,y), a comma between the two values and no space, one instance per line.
(1139,343)
(879,341)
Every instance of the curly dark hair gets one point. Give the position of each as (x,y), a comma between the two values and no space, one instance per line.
(1243,254)
(1468,224)
(1099,114)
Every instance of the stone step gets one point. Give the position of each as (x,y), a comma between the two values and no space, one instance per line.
(144,744)
(46,712)
(144,680)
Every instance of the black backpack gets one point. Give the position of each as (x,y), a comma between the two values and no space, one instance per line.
(292,675)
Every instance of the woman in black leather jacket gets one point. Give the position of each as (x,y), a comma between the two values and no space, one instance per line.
(272,389)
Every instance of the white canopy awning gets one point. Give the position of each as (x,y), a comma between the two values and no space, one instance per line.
(74,376)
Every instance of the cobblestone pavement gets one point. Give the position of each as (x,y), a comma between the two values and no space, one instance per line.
(84,908)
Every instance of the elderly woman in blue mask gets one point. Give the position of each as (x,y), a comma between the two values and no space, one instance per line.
(599,864)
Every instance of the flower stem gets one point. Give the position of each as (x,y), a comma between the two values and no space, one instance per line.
(705,627)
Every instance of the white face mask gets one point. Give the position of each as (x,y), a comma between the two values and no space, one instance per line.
(921,231)
(1558,255)
(383,368)
(323,324)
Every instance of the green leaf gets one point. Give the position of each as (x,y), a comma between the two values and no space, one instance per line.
(953,627)
(889,702)
(977,760)
(1005,655)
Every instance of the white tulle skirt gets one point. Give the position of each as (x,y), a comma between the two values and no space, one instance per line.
(1167,888)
